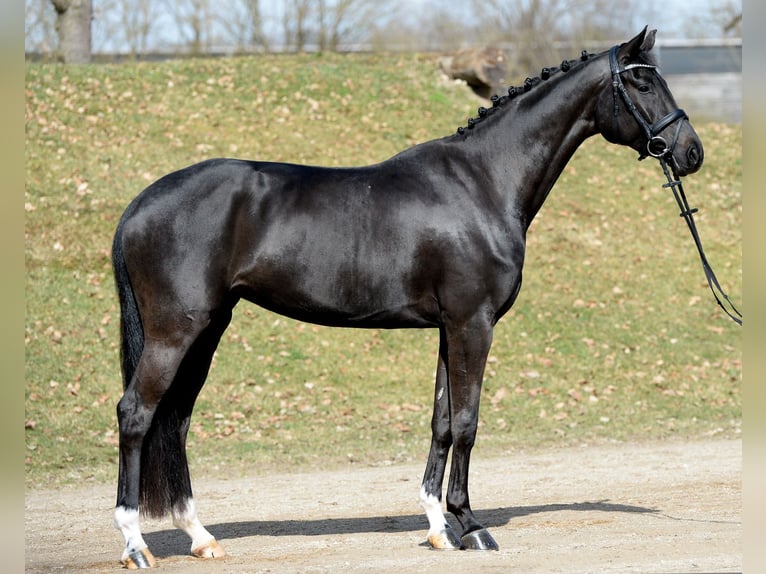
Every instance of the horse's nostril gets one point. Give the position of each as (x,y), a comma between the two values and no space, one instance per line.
(693,155)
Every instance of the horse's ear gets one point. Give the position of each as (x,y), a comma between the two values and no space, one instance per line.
(648,42)
(642,42)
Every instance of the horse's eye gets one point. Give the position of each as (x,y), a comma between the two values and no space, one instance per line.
(644,88)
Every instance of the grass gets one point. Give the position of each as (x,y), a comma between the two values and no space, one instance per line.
(614,336)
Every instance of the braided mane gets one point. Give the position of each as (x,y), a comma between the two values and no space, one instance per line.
(513,92)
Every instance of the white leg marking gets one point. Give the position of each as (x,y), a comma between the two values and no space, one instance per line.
(187,521)
(433,508)
(126,521)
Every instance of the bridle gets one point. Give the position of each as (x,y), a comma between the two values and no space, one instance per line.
(657,147)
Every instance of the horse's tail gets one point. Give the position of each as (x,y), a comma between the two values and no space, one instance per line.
(164,477)
(131,329)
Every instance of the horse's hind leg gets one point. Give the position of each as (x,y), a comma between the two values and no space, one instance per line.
(193,372)
(135,414)
(154,415)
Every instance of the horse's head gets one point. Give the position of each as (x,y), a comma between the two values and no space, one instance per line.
(639,110)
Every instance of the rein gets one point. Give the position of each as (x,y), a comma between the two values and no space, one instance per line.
(720,295)
(656,146)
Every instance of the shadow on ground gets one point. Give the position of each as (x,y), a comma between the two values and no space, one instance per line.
(165,543)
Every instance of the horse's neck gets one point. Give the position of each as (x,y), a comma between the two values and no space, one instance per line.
(532,142)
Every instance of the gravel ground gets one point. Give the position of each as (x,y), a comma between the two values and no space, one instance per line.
(666,507)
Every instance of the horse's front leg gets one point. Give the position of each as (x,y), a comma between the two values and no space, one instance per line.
(468,346)
(440,533)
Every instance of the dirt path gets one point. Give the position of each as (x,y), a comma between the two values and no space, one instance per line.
(659,508)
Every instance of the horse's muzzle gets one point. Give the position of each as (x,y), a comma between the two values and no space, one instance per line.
(690,160)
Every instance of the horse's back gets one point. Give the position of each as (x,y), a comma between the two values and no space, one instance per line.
(320,244)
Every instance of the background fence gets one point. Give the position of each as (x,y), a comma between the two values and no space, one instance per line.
(705,77)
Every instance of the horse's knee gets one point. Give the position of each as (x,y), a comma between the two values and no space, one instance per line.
(441,433)
(463,430)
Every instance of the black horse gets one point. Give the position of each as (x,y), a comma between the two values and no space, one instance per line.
(432,238)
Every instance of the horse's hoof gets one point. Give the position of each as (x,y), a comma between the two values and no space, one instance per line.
(210,550)
(139,559)
(479,540)
(446,539)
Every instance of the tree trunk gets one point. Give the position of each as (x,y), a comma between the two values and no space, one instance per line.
(73,20)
